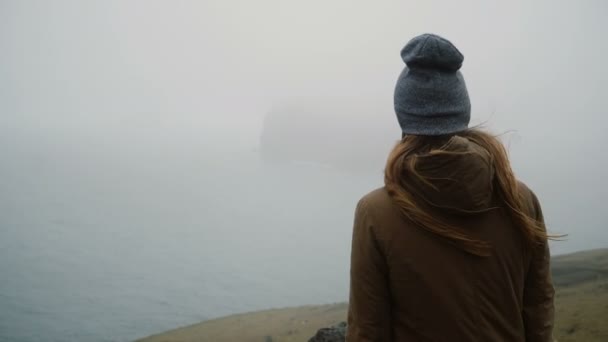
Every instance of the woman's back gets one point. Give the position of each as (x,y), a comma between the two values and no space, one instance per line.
(453,248)
(437,292)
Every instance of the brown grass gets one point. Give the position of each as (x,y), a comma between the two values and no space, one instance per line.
(278,325)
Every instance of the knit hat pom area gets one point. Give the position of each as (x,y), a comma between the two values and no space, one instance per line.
(432,51)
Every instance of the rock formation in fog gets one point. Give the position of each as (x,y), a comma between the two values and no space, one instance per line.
(355,138)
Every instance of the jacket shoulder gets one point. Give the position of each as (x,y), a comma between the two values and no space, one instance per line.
(376,198)
(524,189)
(379,204)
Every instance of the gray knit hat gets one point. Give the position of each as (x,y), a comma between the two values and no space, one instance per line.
(431,97)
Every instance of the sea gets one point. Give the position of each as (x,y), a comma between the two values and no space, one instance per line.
(98,248)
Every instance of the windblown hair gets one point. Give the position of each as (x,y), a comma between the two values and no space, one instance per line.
(401,165)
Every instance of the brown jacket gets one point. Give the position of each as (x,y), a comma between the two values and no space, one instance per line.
(410,285)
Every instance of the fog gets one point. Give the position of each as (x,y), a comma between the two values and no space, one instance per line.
(135,192)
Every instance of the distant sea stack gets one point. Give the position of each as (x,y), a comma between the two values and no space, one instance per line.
(343,135)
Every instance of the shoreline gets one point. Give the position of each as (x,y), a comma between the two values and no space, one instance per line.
(276,325)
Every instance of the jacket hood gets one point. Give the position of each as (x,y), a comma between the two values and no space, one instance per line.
(459,181)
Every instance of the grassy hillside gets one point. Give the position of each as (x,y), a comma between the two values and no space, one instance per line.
(581,280)
(581,305)
(577,268)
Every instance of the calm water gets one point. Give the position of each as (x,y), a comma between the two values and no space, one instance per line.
(94,250)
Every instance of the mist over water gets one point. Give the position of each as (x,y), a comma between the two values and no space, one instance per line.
(145,256)
(135,194)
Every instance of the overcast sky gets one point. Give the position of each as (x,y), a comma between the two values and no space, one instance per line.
(101,78)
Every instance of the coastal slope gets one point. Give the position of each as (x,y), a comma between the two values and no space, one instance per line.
(581,281)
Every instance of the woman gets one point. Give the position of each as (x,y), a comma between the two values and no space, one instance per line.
(453,247)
